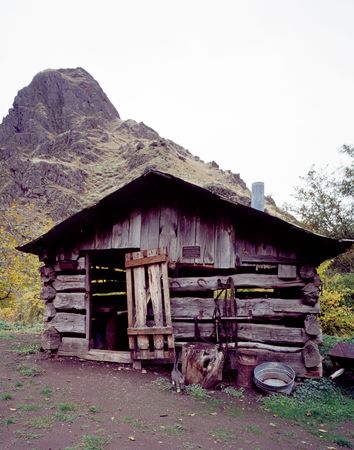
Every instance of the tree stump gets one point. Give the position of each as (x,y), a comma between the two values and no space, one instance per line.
(202,364)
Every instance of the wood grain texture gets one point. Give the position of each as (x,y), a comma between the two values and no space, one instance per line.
(150,228)
(72,300)
(70,346)
(120,234)
(69,323)
(70,283)
(168,231)
(205,238)
(287,271)
(225,243)
(240,280)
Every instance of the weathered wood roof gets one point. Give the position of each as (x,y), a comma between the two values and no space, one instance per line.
(127,194)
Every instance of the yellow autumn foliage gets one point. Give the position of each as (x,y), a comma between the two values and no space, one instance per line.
(19,275)
(337,315)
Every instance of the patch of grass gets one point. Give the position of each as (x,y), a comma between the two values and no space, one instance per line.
(41,422)
(17,327)
(232,392)
(28,436)
(90,442)
(61,417)
(136,423)
(163,384)
(27,407)
(92,409)
(18,385)
(6,396)
(9,421)
(28,371)
(254,429)
(172,430)
(197,392)
(222,434)
(62,410)
(234,411)
(340,440)
(27,349)
(313,403)
(46,392)
(66,407)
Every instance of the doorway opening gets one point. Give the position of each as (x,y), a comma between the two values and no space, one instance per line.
(109,311)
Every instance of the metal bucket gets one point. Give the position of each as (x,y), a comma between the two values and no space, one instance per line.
(273,377)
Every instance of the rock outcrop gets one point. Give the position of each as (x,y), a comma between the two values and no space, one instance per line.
(63,146)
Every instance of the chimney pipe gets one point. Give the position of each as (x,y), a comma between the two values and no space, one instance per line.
(257,201)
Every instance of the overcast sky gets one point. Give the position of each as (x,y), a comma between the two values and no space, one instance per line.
(263,87)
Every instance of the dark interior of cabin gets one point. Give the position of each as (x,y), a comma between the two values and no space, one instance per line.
(109,315)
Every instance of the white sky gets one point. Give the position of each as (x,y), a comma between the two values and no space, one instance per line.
(263,87)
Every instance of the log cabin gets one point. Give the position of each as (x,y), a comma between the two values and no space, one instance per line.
(161,263)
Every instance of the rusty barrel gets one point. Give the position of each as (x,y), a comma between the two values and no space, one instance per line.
(246,362)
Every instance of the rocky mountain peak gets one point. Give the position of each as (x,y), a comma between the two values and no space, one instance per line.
(63,146)
(54,102)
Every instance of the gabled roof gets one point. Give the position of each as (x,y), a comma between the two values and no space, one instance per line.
(74,224)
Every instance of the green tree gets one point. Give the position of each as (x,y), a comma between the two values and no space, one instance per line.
(326,205)
(325,201)
(19,276)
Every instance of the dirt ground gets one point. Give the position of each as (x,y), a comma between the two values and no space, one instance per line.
(60,403)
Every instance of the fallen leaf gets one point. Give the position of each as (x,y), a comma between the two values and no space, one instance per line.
(322,430)
(13,409)
(191,414)
(213,414)
(272,424)
(131,438)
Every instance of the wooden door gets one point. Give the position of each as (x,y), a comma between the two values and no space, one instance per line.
(149,313)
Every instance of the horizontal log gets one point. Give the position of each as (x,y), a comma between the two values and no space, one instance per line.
(312,325)
(273,348)
(271,333)
(50,339)
(47,273)
(70,300)
(49,311)
(74,267)
(69,283)
(270,308)
(190,307)
(185,330)
(69,323)
(119,357)
(240,280)
(268,259)
(48,293)
(311,355)
(73,346)
(246,331)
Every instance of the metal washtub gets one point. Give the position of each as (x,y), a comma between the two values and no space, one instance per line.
(273,377)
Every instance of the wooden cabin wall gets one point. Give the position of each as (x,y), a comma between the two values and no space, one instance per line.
(65,293)
(276,322)
(174,225)
(225,241)
(276,317)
